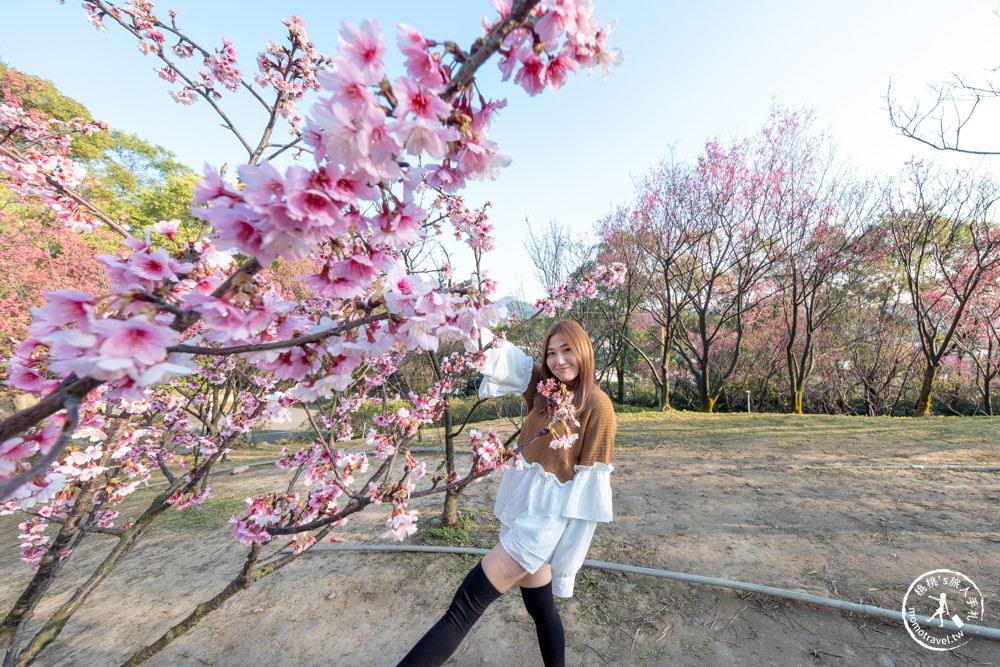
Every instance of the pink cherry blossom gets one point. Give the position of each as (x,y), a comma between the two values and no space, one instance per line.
(167,74)
(184,96)
(423,104)
(166,227)
(419,137)
(559,17)
(28,379)
(223,65)
(349,86)
(558,68)
(65,307)
(421,65)
(364,48)
(155,266)
(135,339)
(401,525)
(531,76)
(399,227)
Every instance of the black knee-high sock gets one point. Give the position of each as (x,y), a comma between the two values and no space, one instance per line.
(548,625)
(470,601)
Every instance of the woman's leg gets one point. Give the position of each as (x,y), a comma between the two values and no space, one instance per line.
(471,599)
(536,591)
(503,571)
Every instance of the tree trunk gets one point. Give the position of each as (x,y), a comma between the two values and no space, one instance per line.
(664,397)
(704,393)
(449,515)
(923,406)
(796,399)
(620,372)
(707,401)
(53,560)
(667,342)
(247,576)
(987,391)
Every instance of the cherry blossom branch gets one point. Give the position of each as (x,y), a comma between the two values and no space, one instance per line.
(70,193)
(312,421)
(87,528)
(191,85)
(8,486)
(72,389)
(280,344)
(163,466)
(517,18)
(474,475)
(282,148)
(363,501)
(468,416)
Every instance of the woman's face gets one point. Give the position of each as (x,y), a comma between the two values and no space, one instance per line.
(561,360)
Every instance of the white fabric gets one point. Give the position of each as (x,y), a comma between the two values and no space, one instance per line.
(544,520)
(507,370)
(590,494)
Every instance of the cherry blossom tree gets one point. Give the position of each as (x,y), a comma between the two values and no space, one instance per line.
(616,309)
(372,145)
(826,220)
(880,356)
(979,339)
(942,230)
(760,374)
(734,194)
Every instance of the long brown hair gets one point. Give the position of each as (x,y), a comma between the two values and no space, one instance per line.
(579,342)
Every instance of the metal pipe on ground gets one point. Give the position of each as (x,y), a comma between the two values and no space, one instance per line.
(868,610)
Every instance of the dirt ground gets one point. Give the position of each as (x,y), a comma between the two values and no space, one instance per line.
(745,512)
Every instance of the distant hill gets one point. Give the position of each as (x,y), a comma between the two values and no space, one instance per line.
(523,309)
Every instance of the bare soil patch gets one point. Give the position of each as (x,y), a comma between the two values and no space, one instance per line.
(768,500)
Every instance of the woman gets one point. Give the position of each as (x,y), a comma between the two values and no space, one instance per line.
(548,507)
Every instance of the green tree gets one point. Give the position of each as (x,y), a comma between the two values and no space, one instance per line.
(135,182)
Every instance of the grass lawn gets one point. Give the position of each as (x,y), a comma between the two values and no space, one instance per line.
(876,440)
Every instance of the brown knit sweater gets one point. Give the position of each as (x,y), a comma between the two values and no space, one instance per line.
(595,444)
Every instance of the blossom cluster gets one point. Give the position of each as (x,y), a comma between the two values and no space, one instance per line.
(470,226)
(33,543)
(564,38)
(488,449)
(122,340)
(562,413)
(138,452)
(35,154)
(562,296)
(327,474)
(288,70)
(261,512)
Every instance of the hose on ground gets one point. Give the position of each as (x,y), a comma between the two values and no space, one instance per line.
(913,466)
(868,610)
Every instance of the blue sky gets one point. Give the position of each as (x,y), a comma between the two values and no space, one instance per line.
(694,71)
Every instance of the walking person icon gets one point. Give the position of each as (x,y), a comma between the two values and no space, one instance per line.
(945,629)
(942,609)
